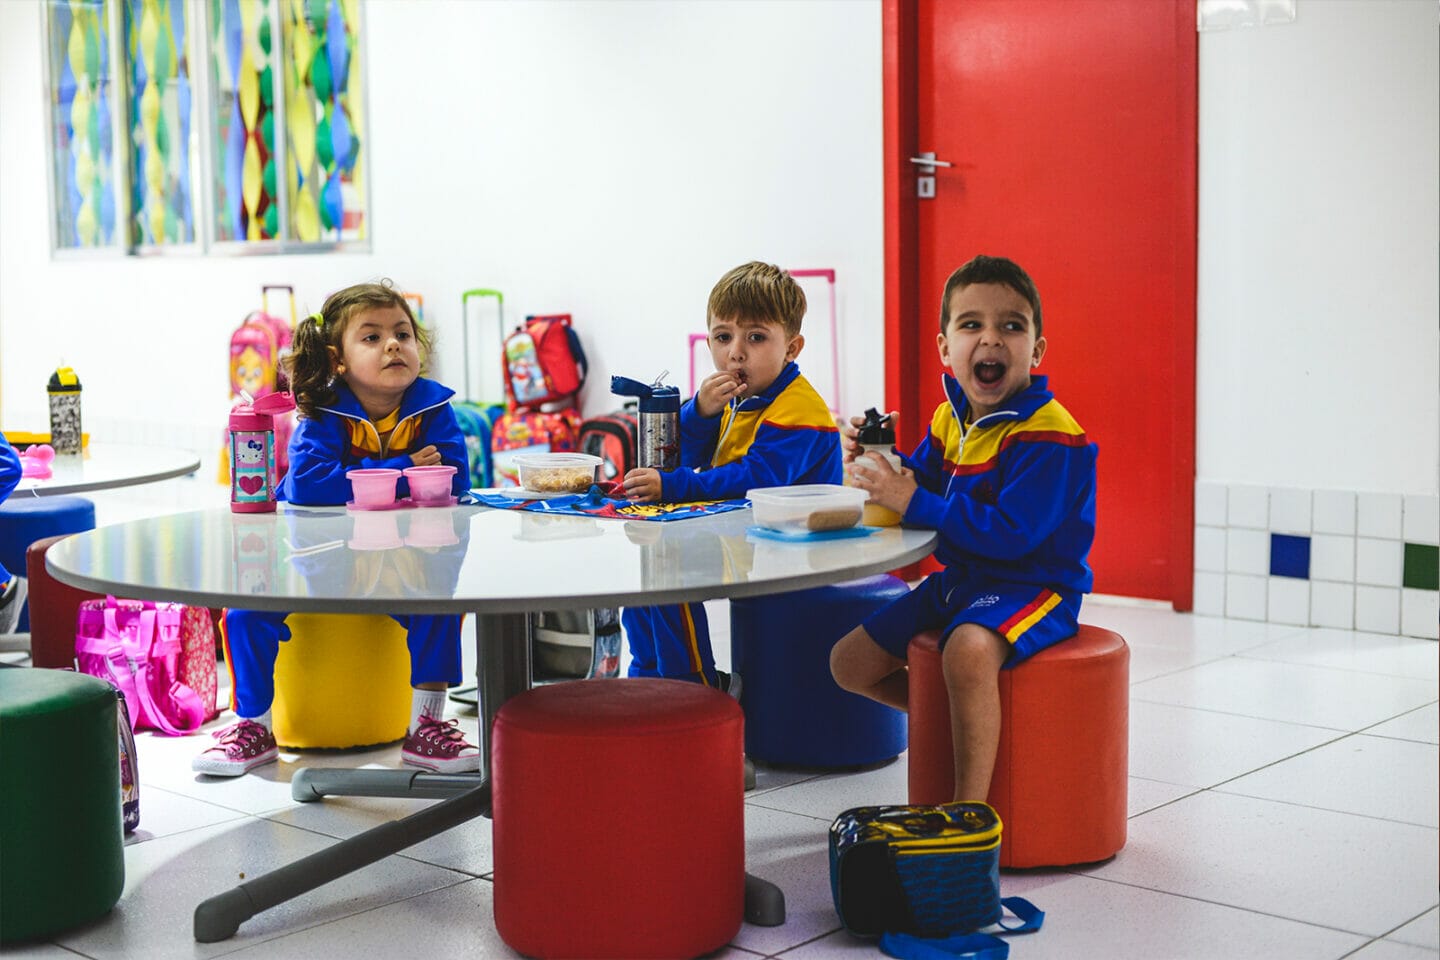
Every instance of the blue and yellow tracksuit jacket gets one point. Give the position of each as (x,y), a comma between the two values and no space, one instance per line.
(323,448)
(11,471)
(1014,495)
(781,437)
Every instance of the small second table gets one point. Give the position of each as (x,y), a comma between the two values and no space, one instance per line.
(103,466)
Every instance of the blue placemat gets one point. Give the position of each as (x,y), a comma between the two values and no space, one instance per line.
(809,536)
(597,504)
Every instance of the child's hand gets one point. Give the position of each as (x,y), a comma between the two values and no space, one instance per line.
(425,456)
(716,391)
(887,487)
(643,485)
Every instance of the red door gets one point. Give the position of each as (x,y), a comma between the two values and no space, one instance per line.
(1071,130)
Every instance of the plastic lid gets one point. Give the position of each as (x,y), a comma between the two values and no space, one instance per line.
(876,429)
(274,403)
(64,380)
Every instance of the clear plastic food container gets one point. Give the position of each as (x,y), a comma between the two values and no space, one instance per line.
(557,472)
(807,507)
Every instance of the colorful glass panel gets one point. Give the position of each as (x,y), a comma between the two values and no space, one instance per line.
(323,117)
(246,202)
(161,192)
(82,122)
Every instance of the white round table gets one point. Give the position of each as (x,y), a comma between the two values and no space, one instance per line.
(500,565)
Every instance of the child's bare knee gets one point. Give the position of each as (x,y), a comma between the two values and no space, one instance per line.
(974,654)
(851,660)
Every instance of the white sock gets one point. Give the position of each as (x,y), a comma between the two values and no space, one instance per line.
(425,703)
(263,720)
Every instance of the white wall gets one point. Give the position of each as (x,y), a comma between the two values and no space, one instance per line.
(614,158)
(1319,250)
(611,160)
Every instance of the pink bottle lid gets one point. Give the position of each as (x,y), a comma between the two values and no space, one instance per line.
(260,414)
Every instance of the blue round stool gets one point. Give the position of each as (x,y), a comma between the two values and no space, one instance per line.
(25,519)
(795,714)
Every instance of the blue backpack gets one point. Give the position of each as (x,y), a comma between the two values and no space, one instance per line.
(477,422)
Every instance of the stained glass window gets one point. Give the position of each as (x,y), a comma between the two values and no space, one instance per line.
(278,102)
(160,99)
(82,107)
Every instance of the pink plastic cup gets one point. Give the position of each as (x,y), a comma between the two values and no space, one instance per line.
(374,487)
(430,484)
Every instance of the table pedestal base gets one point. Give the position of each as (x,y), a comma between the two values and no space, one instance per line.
(220,917)
(503,670)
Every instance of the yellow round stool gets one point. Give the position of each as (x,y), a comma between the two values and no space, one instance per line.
(341,680)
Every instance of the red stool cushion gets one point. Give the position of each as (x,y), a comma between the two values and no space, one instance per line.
(619,819)
(1062,771)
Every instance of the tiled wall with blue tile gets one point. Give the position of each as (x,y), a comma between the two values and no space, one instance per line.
(1325,558)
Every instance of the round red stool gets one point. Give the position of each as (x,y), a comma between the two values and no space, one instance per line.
(1061,774)
(619,819)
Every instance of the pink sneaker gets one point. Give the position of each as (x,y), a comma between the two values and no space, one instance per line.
(239,748)
(440,746)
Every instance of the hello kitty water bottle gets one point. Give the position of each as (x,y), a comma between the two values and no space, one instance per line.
(252,452)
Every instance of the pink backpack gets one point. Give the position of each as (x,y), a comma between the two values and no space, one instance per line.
(138,647)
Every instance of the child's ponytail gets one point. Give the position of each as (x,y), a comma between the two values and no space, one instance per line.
(310,365)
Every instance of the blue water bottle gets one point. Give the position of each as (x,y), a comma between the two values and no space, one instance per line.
(659,441)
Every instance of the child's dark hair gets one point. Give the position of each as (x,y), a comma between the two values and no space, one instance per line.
(311,366)
(983,269)
(758,291)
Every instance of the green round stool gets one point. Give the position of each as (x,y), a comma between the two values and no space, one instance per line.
(62,857)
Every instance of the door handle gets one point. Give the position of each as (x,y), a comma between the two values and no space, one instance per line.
(925,182)
(928,160)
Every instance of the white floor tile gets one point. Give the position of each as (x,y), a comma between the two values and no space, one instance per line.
(792,852)
(1347,872)
(1200,748)
(1423,931)
(826,795)
(1371,776)
(1148,794)
(1080,922)
(466,848)
(1391,950)
(1422,725)
(1351,650)
(163,813)
(1290,692)
(457,921)
(166,879)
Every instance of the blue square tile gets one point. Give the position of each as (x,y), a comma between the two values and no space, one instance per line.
(1289,556)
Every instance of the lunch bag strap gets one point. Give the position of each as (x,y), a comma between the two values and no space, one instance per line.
(969,946)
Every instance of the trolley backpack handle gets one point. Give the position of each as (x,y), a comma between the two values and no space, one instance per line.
(265,289)
(498,341)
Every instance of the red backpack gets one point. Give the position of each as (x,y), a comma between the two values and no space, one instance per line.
(544,362)
(521,431)
(613,438)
